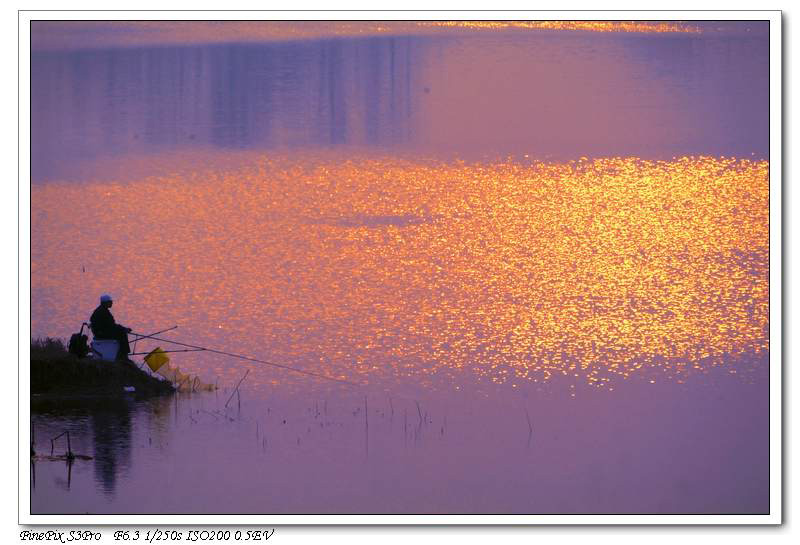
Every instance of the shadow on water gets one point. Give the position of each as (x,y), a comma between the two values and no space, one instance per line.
(90,104)
(111,432)
(107,424)
(373,222)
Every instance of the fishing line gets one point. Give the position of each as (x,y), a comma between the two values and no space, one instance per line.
(241,357)
(194,348)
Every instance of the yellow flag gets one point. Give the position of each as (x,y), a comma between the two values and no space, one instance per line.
(184,382)
(156,359)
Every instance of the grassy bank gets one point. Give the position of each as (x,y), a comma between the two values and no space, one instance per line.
(55,371)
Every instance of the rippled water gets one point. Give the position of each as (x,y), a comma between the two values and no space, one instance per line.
(543,256)
(382,270)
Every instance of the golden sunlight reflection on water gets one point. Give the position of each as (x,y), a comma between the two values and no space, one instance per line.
(386,269)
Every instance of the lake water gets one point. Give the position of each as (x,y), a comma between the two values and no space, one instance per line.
(541,255)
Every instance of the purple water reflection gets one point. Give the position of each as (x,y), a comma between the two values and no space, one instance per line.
(646,449)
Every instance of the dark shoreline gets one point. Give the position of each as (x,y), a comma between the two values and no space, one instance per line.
(57,374)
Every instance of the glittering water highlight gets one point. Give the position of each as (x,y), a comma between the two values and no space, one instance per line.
(375,268)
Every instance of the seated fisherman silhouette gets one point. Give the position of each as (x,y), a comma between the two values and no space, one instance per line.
(105,327)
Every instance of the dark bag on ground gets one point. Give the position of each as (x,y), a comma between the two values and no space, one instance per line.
(79,344)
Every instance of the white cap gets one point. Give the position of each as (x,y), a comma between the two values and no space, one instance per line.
(105,298)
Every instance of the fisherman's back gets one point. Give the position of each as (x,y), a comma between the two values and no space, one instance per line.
(102,323)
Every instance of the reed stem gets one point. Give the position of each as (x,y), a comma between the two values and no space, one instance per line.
(236,390)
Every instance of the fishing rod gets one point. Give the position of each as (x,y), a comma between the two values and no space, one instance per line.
(169,351)
(239,356)
(143,336)
(139,336)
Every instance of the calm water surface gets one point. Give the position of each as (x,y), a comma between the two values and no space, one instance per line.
(542,255)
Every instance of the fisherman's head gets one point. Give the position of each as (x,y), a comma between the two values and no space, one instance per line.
(106,300)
